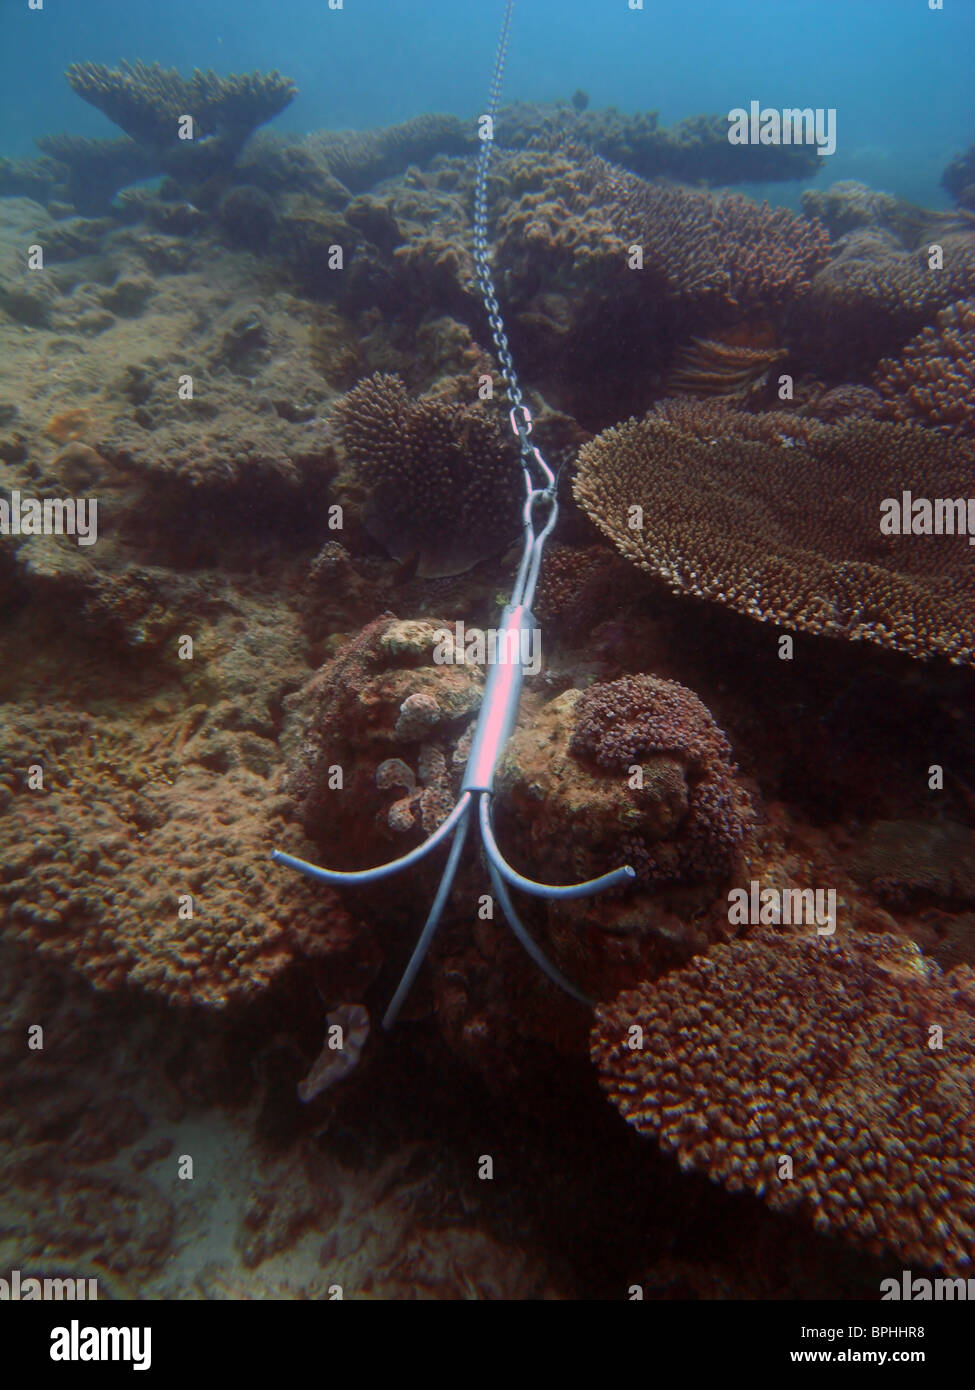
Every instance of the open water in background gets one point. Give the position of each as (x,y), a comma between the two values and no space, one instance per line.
(899,75)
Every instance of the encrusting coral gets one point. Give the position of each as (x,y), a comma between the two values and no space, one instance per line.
(112,839)
(780,518)
(808,1070)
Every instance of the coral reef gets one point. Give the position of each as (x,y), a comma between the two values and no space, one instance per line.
(695,150)
(663,728)
(933,380)
(874,295)
(443,481)
(148,101)
(787,529)
(847,205)
(90,171)
(360,159)
(566,241)
(801,1069)
(579,215)
(911,862)
(630,770)
(959,178)
(389,717)
(84,848)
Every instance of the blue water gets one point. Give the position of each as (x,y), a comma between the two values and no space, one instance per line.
(898,73)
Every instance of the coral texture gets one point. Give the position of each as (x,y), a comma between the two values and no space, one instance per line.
(99,854)
(816,1051)
(695,150)
(637,719)
(444,483)
(393,720)
(933,380)
(779,518)
(147,101)
(874,295)
(706,253)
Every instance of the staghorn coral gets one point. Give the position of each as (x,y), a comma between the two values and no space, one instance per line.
(933,380)
(787,529)
(444,483)
(147,101)
(816,1050)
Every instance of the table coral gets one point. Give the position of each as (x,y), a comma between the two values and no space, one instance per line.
(817,1051)
(779,519)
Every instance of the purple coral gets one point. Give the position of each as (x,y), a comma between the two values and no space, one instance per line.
(622,723)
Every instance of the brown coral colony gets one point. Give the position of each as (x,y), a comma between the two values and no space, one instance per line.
(734,399)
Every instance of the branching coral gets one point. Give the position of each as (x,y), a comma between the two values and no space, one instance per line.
(802,1069)
(443,480)
(933,381)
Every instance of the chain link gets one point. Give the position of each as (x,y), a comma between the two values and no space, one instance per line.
(520,416)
